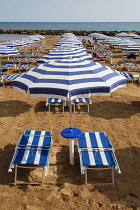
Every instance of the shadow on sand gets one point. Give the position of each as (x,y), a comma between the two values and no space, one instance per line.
(126,190)
(13,108)
(113,110)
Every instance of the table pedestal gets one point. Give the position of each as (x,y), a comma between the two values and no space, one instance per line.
(71,134)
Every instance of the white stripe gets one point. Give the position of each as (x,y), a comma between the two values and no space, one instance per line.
(98,139)
(38,152)
(103,157)
(88,141)
(91,158)
(26,153)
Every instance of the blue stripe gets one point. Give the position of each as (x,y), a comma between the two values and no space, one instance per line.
(69,82)
(28,132)
(44,157)
(54,91)
(109,157)
(19,156)
(20,85)
(89,90)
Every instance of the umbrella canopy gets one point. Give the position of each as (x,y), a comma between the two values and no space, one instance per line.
(132,48)
(110,40)
(67,35)
(68,78)
(66,41)
(14,43)
(65,54)
(122,43)
(136,37)
(7,50)
(28,41)
(94,35)
(69,47)
(122,34)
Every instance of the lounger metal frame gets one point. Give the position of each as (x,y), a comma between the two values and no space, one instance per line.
(58,104)
(84,169)
(76,104)
(45,168)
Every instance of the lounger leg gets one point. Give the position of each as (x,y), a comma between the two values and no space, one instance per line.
(49,107)
(43,174)
(88,108)
(74,108)
(85,176)
(112,175)
(71,151)
(15,173)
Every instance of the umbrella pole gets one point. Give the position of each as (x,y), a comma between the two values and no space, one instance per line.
(70,108)
(71,141)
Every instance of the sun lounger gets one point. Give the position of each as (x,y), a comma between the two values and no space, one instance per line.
(96,153)
(81,102)
(33,60)
(9,78)
(24,67)
(55,102)
(6,66)
(130,65)
(129,76)
(32,151)
(115,65)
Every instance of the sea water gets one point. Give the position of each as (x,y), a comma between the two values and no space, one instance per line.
(78,26)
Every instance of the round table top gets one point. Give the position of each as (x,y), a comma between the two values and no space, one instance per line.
(71,133)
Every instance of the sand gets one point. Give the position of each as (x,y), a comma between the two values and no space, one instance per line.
(118,115)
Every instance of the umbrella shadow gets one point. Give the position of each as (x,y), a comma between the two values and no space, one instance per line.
(13,108)
(113,110)
(126,190)
(41,107)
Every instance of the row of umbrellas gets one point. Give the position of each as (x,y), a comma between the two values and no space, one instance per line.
(126,45)
(8,47)
(22,42)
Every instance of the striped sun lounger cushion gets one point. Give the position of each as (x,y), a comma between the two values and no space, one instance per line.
(115,64)
(128,75)
(33,149)
(24,66)
(11,77)
(98,158)
(81,100)
(31,59)
(55,100)
(38,133)
(8,65)
(130,64)
(93,140)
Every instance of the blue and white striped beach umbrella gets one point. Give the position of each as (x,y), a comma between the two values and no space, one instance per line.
(65,54)
(73,42)
(7,51)
(68,79)
(132,48)
(68,49)
(123,43)
(14,43)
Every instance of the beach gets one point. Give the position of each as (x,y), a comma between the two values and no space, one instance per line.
(118,115)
